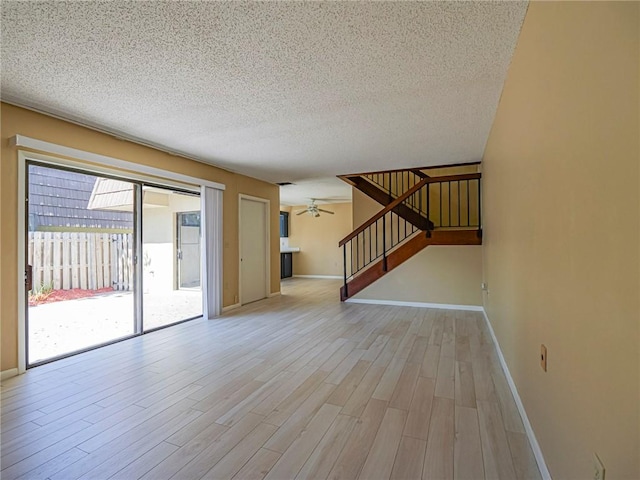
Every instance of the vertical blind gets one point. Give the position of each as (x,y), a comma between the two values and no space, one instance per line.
(211,204)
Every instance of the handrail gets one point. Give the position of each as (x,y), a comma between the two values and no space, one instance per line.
(386,209)
(454,178)
(418,172)
(404,196)
(386,181)
(431,167)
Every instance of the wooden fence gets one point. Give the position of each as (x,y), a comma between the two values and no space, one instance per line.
(90,261)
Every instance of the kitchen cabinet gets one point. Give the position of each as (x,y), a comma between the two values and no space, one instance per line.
(286,265)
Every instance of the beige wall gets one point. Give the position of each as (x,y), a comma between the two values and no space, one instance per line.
(437,274)
(19,121)
(318,239)
(561,217)
(363,207)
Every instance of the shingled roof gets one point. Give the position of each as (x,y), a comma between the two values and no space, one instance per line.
(58,200)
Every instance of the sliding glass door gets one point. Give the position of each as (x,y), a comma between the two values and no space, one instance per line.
(80,250)
(106,259)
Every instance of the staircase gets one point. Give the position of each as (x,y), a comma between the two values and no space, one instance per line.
(420,209)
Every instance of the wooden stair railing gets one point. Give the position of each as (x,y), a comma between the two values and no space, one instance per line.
(432,203)
(386,186)
(384,198)
(391,207)
(422,170)
(398,256)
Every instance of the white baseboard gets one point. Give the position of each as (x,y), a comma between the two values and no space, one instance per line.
(338,277)
(443,306)
(230,307)
(238,305)
(12,372)
(535,446)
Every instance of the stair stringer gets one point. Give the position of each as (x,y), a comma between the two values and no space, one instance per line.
(375,193)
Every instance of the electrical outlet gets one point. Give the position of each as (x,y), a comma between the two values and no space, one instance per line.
(598,468)
(543,357)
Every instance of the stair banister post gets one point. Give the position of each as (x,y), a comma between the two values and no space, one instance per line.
(344,254)
(428,213)
(479,208)
(384,243)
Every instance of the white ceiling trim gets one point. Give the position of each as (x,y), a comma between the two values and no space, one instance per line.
(156,173)
(44,110)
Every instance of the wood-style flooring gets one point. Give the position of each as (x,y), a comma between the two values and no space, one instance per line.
(295,386)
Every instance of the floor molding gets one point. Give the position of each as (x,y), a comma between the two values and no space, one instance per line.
(535,446)
(238,305)
(442,306)
(338,277)
(230,307)
(12,372)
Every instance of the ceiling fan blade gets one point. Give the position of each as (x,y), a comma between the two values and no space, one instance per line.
(325,211)
(301,212)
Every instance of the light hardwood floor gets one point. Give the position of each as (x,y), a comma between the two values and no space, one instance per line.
(296,386)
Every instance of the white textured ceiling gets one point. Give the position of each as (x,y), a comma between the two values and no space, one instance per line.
(276,90)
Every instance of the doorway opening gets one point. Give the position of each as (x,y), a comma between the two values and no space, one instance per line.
(171,253)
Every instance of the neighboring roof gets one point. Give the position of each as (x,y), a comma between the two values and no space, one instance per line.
(110,194)
(60,199)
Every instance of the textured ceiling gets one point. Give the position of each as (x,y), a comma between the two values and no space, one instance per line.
(277,90)
(323,190)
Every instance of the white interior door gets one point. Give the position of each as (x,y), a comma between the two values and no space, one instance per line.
(253,250)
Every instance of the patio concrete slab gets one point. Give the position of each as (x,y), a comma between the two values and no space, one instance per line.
(67,326)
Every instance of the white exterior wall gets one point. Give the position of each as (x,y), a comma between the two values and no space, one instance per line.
(159,238)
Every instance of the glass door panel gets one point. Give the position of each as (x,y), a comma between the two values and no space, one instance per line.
(170,257)
(80,250)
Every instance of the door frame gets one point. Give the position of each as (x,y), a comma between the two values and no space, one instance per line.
(93,164)
(267,237)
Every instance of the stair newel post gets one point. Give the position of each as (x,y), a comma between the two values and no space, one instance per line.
(344,259)
(428,213)
(384,242)
(479,208)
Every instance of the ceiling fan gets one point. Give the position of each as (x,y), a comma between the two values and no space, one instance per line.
(313,210)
